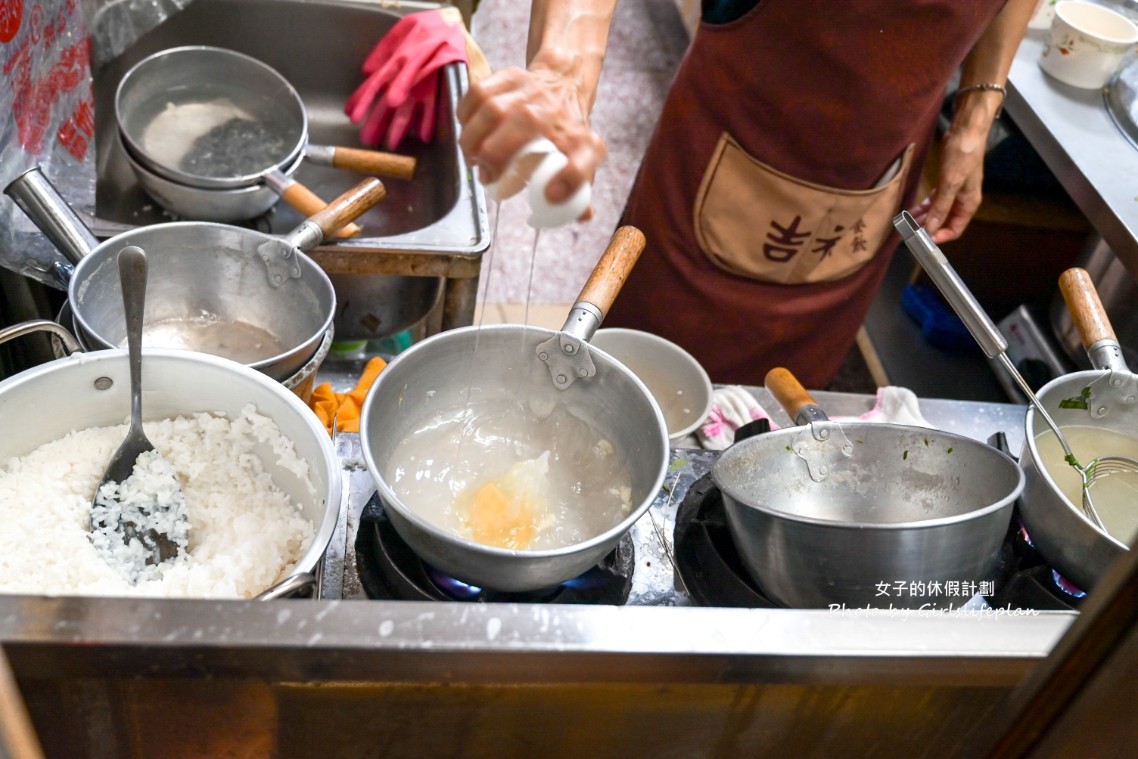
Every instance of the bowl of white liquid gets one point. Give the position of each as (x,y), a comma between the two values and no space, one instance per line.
(676,380)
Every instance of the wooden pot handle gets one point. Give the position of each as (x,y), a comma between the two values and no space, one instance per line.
(339,214)
(374,162)
(1085,307)
(789,393)
(613,268)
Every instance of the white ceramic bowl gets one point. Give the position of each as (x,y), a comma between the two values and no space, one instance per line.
(1086,43)
(675,379)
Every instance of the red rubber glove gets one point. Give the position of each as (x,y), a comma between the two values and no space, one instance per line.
(387,125)
(402,84)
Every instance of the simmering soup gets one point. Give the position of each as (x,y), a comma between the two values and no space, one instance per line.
(1115,497)
(502,474)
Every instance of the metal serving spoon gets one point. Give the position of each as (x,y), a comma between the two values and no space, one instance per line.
(159,523)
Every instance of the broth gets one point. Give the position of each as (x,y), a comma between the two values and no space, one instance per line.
(500,474)
(1115,497)
(235,340)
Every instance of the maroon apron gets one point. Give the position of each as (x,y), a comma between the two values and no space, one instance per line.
(788,141)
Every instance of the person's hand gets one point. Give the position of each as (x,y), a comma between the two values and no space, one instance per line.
(512,107)
(950,206)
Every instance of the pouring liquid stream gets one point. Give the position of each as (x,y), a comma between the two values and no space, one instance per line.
(491,518)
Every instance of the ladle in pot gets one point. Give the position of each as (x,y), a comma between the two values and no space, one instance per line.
(144,517)
(991,341)
(1102,346)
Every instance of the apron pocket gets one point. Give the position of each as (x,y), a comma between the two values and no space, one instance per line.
(755,221)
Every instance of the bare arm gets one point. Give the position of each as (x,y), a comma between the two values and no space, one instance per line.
(956,197)
(552,98)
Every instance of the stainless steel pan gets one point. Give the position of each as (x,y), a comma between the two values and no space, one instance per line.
(863,514)
(209,119)
(483,367)
(234,292)
(1103,398)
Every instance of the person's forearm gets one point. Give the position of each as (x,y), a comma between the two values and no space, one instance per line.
(570,37)
(991,59)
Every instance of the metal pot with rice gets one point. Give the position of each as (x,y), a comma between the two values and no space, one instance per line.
(235,434)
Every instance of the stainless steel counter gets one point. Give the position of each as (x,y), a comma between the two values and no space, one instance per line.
(130,654)
(320,631)
(1073,132)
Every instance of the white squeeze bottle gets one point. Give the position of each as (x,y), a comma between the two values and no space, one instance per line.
(530,170)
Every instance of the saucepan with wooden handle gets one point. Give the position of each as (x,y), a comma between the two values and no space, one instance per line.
(512,457)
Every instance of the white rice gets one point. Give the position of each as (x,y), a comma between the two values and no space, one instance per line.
(245,532)
(127,515)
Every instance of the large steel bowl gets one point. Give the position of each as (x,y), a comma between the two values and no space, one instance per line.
(864,514)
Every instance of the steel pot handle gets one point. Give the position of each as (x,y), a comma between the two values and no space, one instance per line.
(37,197)
(70,344)
(362,160)
(565,352)
(288,586)
(604,283)
(795,399)
(324,222)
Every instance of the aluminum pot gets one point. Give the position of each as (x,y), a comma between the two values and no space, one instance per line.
(824,514)
(224,204)
(487,365)
(1064,535)
(215,288)
(182,110)
(214,119)
(93,389)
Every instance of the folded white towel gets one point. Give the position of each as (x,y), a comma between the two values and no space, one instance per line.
(732,406)
(896,405)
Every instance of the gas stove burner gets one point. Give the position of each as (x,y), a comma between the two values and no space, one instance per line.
(1028,582)
(390,570)
(706,558)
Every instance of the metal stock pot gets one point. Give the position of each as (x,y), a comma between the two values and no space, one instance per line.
(212,287)
(86,390)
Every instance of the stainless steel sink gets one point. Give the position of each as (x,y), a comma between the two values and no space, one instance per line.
(420,247)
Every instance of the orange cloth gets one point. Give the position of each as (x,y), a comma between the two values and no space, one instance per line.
(345,408)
